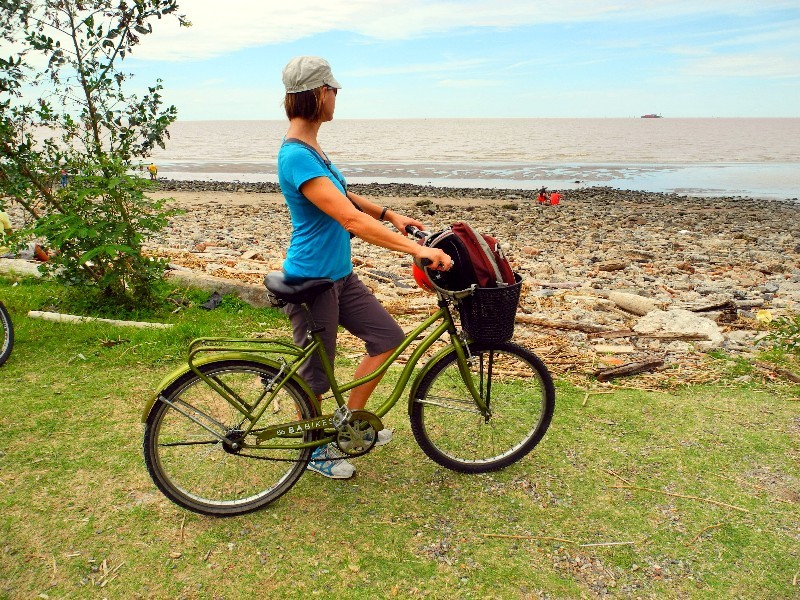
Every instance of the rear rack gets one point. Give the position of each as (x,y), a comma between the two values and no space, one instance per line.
(209,345)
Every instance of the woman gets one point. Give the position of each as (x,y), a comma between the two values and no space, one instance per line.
(324,217)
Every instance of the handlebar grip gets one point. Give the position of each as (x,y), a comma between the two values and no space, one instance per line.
(420,234)
(417,232)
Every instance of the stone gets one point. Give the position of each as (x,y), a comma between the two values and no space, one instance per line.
(19,266)
(645,244)
(255,295)
(611,265)
(681,321)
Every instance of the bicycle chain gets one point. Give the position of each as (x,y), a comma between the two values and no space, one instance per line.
(299,461)
(331,458)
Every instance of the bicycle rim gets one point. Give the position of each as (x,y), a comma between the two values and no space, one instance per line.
(196,470)
(6,335)
(449,427)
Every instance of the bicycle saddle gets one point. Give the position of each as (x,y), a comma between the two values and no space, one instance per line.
(300,291)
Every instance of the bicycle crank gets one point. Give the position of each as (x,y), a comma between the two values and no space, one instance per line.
(359,433)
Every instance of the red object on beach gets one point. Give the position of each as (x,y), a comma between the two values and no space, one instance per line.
(40,253)
(555,197)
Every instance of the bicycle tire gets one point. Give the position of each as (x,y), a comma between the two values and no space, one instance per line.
(194,469)
(451,431)
(7,334)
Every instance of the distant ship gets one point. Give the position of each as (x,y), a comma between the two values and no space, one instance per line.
(651,116)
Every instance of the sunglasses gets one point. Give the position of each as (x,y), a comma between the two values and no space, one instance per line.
(333,89)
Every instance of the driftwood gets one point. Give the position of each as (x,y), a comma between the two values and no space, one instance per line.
(629,369)
(633,303)
(555,539)
(558,285)
(658,335)
(711,306)
(557,324)
(698,498)
(790,375)
(59,318)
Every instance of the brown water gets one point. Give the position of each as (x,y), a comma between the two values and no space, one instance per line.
(755,157)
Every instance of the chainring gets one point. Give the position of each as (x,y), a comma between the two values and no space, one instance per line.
(356,438)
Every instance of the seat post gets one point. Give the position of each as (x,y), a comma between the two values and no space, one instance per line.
(312,326)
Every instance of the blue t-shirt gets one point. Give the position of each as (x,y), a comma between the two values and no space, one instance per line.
(320,246)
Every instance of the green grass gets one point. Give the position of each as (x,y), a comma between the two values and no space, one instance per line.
(698,489)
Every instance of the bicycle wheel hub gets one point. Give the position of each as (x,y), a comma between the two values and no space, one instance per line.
(232,444)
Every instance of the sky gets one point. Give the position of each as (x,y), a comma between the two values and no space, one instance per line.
(484,58)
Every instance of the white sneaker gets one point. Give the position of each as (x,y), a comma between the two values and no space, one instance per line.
(321,462)
(384,437)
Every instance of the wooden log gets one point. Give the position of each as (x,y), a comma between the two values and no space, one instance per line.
(629,369)
(633,303)
(790,375)
(657,335)
(614,333)
(556,324)
(712,306)
(614,349)
(558,285)
(59,318)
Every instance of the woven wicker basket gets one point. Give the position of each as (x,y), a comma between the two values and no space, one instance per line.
(487,315)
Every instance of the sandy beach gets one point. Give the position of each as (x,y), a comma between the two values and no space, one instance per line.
(610,276)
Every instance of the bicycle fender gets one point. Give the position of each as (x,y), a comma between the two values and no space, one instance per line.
(244,356)
(424,371)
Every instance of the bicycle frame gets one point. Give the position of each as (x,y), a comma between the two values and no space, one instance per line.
(206,350)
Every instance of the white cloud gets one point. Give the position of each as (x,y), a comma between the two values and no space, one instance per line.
(771,66)
(418,69)
(471,83)
(221,28)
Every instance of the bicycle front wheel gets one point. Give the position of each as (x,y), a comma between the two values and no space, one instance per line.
(450,429)
(196,469)
(6,334)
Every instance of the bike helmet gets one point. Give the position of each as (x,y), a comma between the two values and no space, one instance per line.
(422,279)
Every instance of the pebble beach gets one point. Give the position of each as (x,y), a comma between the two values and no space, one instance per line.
(610,276)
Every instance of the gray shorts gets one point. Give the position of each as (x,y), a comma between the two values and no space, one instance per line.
(350,304)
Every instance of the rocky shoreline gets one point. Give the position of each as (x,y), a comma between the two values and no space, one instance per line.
(611,276)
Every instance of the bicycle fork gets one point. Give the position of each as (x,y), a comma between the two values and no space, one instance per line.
(482,393)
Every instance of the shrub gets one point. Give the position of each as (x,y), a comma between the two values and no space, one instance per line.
(785,333)
(73,118)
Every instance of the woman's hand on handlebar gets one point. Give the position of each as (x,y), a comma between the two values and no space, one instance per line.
(402,222)
(433,258)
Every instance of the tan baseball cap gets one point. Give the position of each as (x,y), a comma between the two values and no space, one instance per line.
(304,73)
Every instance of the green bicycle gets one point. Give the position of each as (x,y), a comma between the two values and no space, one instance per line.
(233,429)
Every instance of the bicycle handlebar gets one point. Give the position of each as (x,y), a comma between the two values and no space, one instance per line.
(417,232)
(421,235)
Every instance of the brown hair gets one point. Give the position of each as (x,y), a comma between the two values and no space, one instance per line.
(304,105)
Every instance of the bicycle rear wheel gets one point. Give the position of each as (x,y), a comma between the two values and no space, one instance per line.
(200,472)
(6,334)
(451,430)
